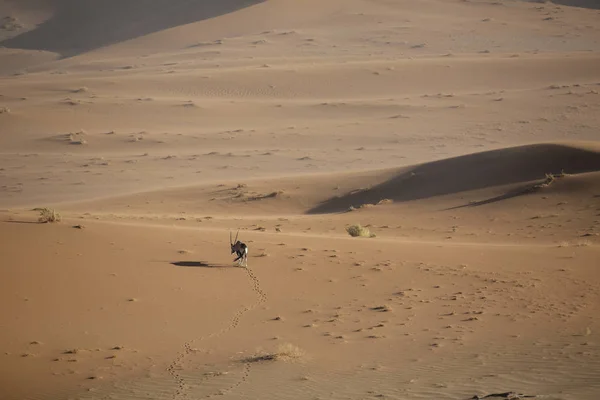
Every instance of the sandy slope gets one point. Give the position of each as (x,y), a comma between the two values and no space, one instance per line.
(156,130)
(467,316)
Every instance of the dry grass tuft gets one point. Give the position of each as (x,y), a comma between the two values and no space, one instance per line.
(384,308)
(47,215)
(577,243)
(77,138)
(359,230)
(385,201)
(285,352)
(549,180)
(583,243)
(366,205)
(271,195)
(10,23)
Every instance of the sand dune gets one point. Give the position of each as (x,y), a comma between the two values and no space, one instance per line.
(98,25)
(472,172)
(458,139)
(516,169)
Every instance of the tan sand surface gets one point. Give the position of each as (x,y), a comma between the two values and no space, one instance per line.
(462,135)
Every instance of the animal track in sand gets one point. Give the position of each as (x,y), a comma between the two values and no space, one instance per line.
(182,389)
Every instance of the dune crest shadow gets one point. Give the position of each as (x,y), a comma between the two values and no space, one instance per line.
(516,165)
(79,26)
(591,4)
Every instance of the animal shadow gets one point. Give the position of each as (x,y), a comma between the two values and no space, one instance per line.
(198,264)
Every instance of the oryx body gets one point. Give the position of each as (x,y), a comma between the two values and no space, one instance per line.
(239,249)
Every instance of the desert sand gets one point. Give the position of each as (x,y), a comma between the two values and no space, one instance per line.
(464,135)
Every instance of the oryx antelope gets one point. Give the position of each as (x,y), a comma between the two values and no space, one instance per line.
(240,249)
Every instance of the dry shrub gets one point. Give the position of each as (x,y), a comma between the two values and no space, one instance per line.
(288,351)
(77,138)
(285,352)
(47,215)
(549,180)
(359,230)
(271,195)
(578,243)
(10,23)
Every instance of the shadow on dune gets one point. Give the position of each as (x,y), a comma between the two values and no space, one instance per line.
(11,221)
(471,172)
(78,26)
(198,264)
(593,4)
(580,183)
(520,191)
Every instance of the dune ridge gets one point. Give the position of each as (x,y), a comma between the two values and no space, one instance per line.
(510,169)
(472,172)
(98,25)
